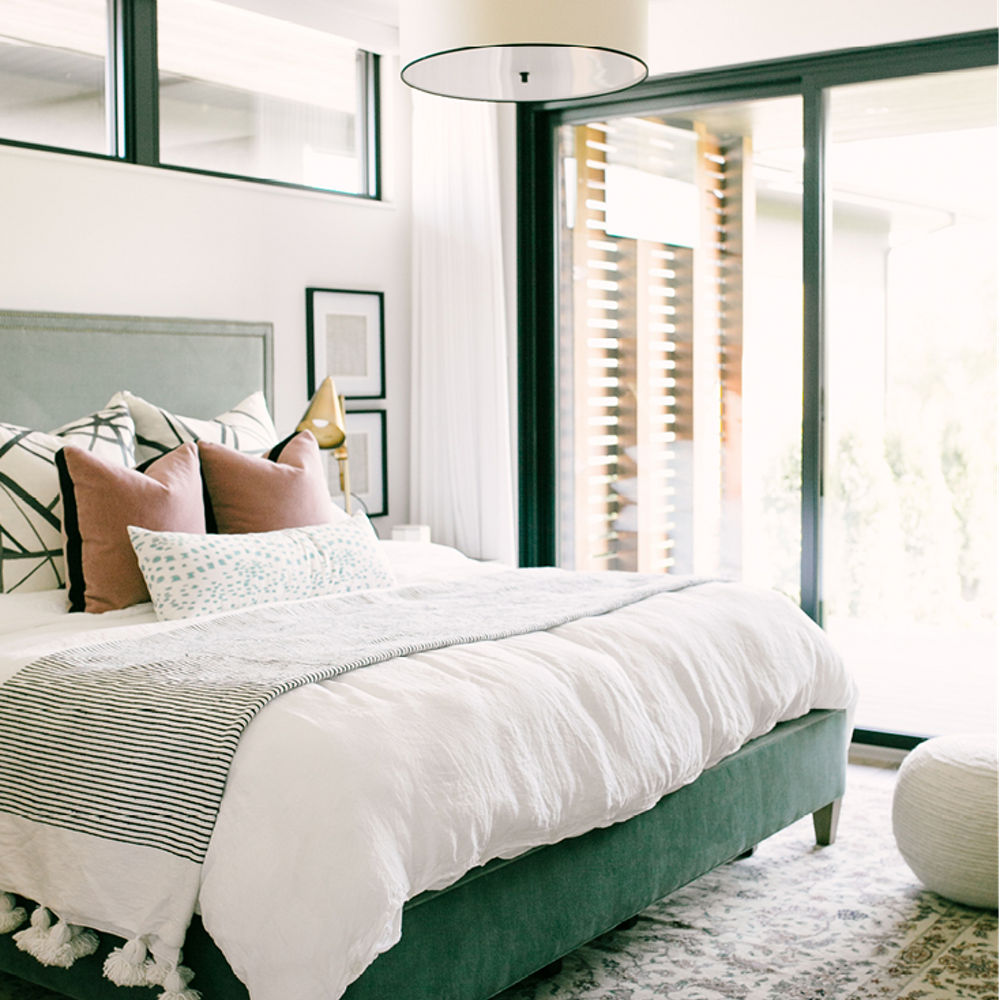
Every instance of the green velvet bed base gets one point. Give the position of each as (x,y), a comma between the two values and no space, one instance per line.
(505,920)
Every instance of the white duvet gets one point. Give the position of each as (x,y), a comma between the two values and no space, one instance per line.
(348,797)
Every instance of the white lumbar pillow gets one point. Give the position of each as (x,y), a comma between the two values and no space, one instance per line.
(190,575)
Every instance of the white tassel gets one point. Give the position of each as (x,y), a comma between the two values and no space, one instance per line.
(61,945)
(130,965)
(55,947)
(34,937)
(84,942)
(157,972)
(175,985)
(11,916)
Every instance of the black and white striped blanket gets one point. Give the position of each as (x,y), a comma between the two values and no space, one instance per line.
(131,741)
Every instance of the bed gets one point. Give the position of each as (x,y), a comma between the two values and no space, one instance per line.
(517,778)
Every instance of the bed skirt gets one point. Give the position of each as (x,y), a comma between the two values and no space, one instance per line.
(509,918)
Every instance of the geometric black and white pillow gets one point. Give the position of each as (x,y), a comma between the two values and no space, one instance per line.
(247,427)
(31,546)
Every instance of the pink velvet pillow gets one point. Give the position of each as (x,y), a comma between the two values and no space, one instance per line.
(101,500)
(288,489)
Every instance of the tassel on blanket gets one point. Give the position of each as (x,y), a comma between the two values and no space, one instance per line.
(65,944)
(34,936)
(84,942)
(130,965)
(175,985)
(11,916)
(60,945)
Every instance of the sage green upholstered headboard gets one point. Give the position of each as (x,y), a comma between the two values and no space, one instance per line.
(55,367)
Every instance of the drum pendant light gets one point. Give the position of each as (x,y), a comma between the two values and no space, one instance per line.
(522,50)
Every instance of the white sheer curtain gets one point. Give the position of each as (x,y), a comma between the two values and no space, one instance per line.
(461,481)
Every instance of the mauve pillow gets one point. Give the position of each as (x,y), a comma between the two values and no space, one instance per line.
(100,501)
(288,489)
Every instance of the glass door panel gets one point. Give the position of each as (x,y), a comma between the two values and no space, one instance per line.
(680,342)
(910,506)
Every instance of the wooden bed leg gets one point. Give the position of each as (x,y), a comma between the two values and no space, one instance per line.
(825,823)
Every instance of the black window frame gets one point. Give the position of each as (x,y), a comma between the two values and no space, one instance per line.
(537,124)
(133,100)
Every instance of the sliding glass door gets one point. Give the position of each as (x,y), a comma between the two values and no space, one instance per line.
(910,515)
(758,339)
(680,341)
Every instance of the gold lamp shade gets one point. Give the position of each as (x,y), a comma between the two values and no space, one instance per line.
(325,416)
(325,419)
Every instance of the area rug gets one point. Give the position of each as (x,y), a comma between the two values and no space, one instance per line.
(795,922)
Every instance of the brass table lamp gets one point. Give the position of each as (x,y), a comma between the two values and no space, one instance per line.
(325,418)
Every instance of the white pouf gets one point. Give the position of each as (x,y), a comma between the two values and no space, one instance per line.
(944,817)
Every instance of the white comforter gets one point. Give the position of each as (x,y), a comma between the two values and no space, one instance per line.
(346,798)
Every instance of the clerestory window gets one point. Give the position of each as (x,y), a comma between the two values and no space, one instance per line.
(191,84)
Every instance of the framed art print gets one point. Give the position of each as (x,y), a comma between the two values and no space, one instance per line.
(366,460)
(345,338)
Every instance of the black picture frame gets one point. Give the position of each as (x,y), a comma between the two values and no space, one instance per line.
(367,463)
(345,338)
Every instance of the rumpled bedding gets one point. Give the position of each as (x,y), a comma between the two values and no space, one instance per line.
(348,797)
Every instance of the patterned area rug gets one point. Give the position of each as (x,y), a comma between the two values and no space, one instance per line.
(847,922)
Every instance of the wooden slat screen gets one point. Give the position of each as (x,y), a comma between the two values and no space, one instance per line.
(650,355)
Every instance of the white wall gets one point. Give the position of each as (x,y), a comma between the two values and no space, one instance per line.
(686,35)
(85,235)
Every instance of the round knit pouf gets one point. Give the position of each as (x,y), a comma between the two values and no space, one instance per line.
(944,817)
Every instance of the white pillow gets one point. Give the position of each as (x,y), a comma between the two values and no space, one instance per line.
(247,427)
(31,548)
(192,575)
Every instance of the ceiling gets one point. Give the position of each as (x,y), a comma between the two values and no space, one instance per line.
(386,11)
(372,23)
(685,36)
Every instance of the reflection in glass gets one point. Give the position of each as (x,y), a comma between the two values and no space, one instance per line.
(255,96)
(53,59)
